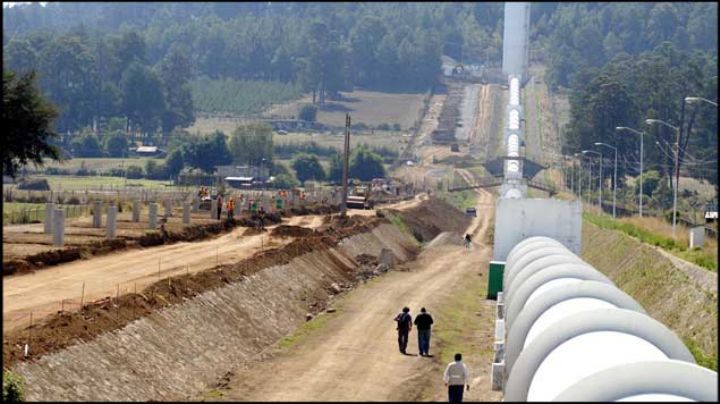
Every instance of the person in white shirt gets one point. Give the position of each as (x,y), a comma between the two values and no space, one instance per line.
(456,377)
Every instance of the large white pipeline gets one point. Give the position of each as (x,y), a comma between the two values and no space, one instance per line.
(572,335)
(513,173)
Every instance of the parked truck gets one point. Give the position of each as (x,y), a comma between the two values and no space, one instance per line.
(360,199)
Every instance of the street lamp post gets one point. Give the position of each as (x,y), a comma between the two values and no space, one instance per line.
(579,180)
(640,197)
(677,166)
(614,172)
(691,100)
(599,179)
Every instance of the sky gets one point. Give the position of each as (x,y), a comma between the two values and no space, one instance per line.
(12,3)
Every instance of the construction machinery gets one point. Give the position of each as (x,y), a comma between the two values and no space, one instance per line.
(360,198)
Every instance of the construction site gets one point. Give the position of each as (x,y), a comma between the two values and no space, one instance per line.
(155,298)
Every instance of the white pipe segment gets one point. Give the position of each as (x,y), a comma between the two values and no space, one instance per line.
(559,274)
(550,307)
(572,335)
(521,261)
(669,380)
(536,264)
(514,119)
(513,193)
(527,245)
(585,343)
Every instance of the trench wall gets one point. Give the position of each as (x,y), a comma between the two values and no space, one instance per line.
(179,351)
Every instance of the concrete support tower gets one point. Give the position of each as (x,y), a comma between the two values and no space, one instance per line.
(516,36)
(152,216)
(136,211)
(49,209)
(186,212)
(59,228)
(111,221)
(97,214)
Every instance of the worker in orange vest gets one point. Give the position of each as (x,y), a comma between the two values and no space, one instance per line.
(230,207)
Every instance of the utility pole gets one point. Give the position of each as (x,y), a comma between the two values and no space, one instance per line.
(343,205)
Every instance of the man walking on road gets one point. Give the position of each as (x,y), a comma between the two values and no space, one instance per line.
(456,377)
(404,325)
(423,322)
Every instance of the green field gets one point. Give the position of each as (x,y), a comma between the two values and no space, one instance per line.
(19,212)
(97,164)
(240,97)
(73,183)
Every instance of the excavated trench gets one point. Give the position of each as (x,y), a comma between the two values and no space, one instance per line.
(177,337)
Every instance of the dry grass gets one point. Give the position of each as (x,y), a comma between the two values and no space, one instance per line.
(661,227)
(368,107)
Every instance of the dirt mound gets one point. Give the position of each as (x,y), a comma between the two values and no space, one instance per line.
(63,329)
(291,231)
(62,255)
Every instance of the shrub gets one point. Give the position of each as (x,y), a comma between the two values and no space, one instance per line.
(40,184)
(396,126)
(134,172)
(13,387)
(308,112)
(56,171)
(383,126)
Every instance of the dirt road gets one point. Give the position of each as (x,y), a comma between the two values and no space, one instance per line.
(354,355)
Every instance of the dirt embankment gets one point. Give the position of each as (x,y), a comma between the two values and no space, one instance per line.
(62,329)
(431,218)
(151,238)
(179,335)
(667,293)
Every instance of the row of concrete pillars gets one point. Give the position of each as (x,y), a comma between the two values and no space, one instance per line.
(55,218)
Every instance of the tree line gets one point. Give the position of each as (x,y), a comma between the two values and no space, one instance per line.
(652,85)
(324,47)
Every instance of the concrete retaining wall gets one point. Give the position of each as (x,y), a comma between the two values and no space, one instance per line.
(177,352)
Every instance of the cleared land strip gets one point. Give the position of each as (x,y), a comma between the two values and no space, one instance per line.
(42,293)
(354,354)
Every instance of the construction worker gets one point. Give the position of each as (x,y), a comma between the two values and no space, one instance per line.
(230,208)
(261,217)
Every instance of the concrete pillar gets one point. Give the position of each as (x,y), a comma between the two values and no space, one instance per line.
(213,209)
(186,212)
(152,216)
(697,237)
(58,228)
(136,211)
(195,204)
(111,221)
(168,207)
(97,214)
(49,209)
(237,209)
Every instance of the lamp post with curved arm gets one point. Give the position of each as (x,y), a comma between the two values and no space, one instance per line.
(600,179)
(691,100)
(614,172)
(579,180)
(640,197)
(677,168)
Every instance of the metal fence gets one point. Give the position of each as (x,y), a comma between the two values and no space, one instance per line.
(35,215)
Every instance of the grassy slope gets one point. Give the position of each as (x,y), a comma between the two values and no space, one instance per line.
(704,258)
(666,293)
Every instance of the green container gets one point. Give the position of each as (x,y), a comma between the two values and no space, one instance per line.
(278,203)
(495,278)
(254,208)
